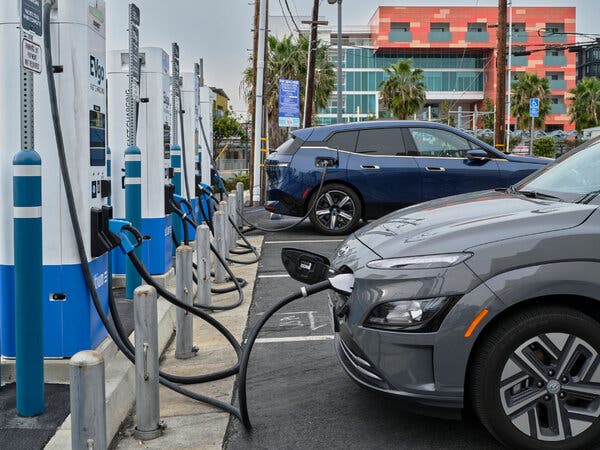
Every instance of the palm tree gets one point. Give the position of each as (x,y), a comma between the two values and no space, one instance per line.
(403,92)
(585,106)
(526,87)
(287,58)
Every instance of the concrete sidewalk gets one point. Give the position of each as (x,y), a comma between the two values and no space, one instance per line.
(180,413)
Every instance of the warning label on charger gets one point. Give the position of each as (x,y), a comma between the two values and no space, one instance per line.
(31,56)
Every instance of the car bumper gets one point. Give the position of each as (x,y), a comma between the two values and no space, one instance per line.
(367,375)
(280,202)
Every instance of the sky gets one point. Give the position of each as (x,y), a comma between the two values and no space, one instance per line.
(219,31)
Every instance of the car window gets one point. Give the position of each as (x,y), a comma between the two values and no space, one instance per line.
(343,140)
(440,143)
(290,146)
(381,141)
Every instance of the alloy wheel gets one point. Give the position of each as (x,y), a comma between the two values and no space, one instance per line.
(335,210)
(550,386)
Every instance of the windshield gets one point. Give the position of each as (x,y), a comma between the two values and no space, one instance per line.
(570,178)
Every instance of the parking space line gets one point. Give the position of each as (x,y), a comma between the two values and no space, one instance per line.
(276,340)
(304,241)
(277,275)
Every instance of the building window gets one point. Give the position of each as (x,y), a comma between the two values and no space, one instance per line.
(439,32)
(520,60)
(400,32)
(555,32)
(519,34)
(477,32)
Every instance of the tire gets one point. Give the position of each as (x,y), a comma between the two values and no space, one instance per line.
(338,210)
(529,375)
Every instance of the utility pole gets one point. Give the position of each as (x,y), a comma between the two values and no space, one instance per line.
(509,72)
(310,70)
(264,148)
(258,110)
(252,99)
(501,77)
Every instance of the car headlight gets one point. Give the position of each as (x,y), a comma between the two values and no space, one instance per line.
(410,315)
(420,262)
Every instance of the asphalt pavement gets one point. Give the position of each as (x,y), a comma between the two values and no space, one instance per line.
(298,394)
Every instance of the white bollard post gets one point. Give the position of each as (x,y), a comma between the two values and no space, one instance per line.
(147,400)
(220,245)
(232,202)
(240,204)
(88,404)
(184,344)
(203,263)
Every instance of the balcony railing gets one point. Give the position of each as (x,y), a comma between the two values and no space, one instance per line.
(558,108)
(518,61)
(550,60)
(520,36)
(558,85)
(551,37)
(440,36)
(477,36)
(400,36)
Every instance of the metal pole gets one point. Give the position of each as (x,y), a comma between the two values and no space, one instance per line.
(232,204)
(459,118)
(88,404)
(133,155)
(429,113)
(475,119)
(184,347)
(175,147)
(147,399)
(240,205)
(220,244)
(340,100)
(509,75)
(258,113)
(531,138)
(203,263)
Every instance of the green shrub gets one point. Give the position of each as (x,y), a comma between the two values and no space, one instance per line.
(230,183)
(545,146)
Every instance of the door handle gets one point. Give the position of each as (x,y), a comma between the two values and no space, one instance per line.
(369,166)
(435,169)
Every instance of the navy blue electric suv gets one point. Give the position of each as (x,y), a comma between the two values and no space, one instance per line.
(377,167)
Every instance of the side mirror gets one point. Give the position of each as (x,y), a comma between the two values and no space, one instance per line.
(303,266)
(478,155)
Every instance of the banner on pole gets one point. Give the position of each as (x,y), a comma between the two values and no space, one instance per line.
(289,103)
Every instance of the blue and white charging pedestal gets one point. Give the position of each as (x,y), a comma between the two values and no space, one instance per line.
(154,140)
(133,210)
(78,29)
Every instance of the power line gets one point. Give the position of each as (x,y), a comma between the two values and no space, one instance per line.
(287,5)
(285,18)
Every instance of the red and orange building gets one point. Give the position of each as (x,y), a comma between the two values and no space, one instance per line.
(456,48)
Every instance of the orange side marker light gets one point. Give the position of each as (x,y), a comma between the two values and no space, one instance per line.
(478,318)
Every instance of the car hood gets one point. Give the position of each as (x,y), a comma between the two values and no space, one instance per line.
(458,223)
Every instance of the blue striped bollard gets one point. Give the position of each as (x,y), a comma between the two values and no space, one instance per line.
(29,307)
(108,174)
(133,211)
(176,165)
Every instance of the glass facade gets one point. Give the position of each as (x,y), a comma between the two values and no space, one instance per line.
(363,73)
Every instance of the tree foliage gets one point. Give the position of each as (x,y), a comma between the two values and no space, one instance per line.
(403,92)
(226,127)
(487,120)
(288,58)
(585,106)
(526,87)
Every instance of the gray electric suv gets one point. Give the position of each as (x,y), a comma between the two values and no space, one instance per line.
(489,301)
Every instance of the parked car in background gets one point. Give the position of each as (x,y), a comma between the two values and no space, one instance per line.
(377,167)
